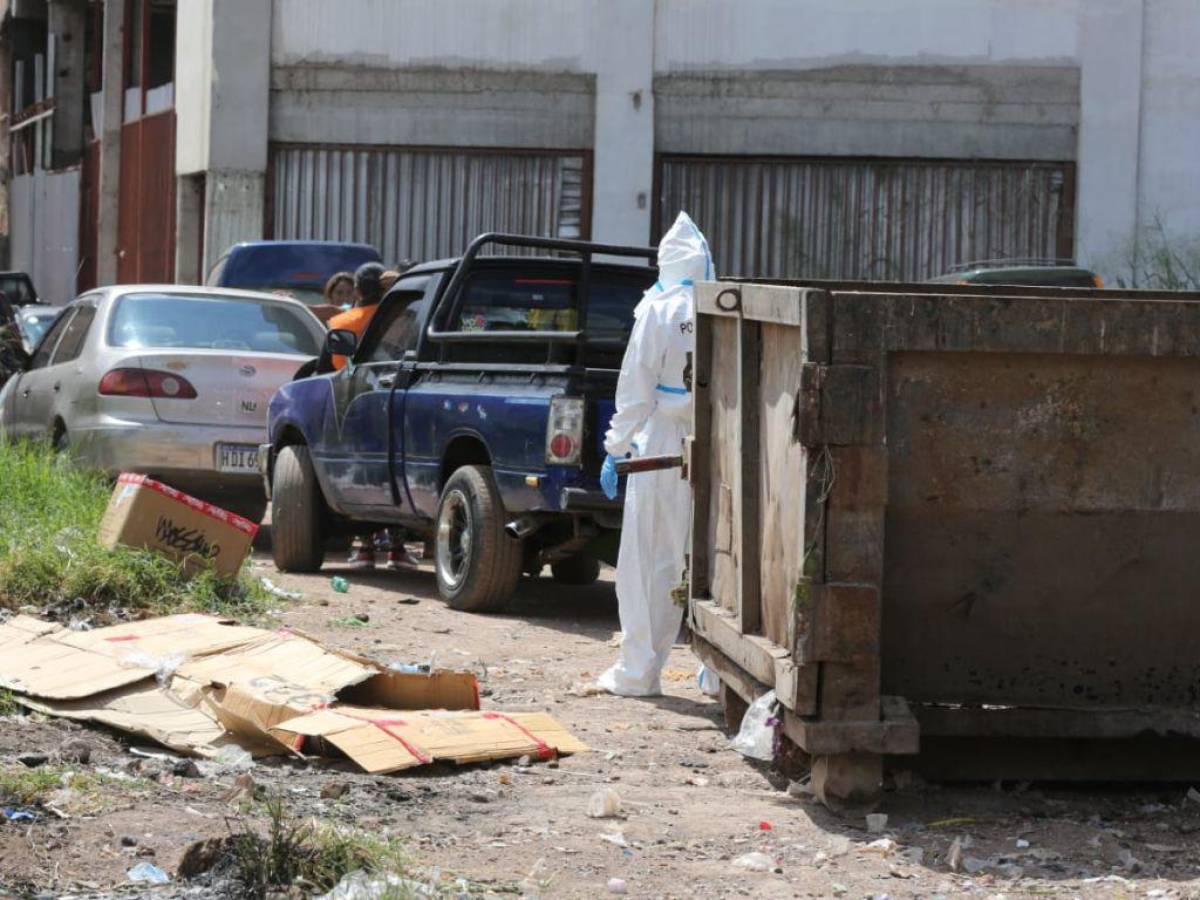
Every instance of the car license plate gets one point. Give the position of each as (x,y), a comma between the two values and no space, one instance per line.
(240,458)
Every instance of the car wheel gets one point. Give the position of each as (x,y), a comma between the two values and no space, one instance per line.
(478,563)
(578,570)
(297,543)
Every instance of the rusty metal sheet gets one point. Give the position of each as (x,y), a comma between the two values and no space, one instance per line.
(883,219)
(1040,533)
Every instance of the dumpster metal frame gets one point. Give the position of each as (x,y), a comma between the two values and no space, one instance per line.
(823,407)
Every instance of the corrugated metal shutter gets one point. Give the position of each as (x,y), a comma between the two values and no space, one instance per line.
(44,218)
(417,204)
(902,220)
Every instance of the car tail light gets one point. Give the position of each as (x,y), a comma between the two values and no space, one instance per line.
(564,435)
(131,382)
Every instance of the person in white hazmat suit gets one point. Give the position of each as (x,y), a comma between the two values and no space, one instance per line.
(653,416)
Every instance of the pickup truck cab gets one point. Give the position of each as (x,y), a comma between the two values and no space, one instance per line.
(471,413)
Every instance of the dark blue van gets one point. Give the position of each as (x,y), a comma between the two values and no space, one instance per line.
(297,268)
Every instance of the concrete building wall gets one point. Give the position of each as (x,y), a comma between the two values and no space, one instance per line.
(222,107)
(1111,85)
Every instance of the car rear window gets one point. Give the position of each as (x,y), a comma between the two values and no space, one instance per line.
(18,290)
(209,323)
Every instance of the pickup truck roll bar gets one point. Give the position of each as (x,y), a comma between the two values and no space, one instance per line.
(585,249)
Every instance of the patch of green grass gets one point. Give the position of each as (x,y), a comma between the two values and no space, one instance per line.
(349,622)
(82,791)
(50,512)
(21,786)
(311,855)
(8,706)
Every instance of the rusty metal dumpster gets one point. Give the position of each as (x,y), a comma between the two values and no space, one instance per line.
(957,514)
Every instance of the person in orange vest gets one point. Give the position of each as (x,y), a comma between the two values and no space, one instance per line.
(368,290)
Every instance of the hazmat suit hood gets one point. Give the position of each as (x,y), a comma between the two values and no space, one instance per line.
(683,256)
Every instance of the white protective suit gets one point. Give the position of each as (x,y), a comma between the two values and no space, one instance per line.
(653,416)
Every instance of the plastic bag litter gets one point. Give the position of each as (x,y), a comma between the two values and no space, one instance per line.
(275,590)
(162,666)
(754,862)
(233,759)
(707,680)
(149,873)
(756,737)
(362,885)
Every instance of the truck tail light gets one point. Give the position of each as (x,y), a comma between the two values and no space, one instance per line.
(131,382)
(564,434)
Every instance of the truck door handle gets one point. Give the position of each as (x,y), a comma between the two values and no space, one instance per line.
(387,381)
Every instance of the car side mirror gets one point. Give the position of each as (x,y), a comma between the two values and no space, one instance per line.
(341,342)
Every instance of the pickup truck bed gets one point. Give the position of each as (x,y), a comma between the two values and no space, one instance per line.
(471,414)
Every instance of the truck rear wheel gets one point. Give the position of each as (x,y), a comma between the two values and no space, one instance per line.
(477,562)
(297,543)
(579,570)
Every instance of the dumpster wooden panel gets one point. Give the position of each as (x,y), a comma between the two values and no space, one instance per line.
(967,501)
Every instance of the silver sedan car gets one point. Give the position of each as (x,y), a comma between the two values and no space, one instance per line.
(165,380)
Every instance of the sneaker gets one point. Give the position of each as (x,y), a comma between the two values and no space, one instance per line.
(362,558)
(400,560)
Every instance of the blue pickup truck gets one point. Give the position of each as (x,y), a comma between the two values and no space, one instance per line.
(472,413)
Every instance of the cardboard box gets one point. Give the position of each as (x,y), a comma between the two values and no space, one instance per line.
(197,683)
(147,513)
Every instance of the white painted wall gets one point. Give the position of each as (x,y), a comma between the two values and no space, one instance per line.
(1139,75)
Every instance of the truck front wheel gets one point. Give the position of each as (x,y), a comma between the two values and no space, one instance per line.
(478,563)
(296,513)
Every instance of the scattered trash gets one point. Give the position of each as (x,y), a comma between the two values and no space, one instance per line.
(275,590)
(617,886)
(360,885)
(1022,844)
(144,513)
(697,781)
(945,823)
(234,759)
(409,668)
(17,815)
(354,621)
(339,584)
(187,768)
(756,737)
(882,846)
(876,823)
(765,826)
(954,855)
(149,873)
(802,790)
(409,601)
(754,862)
(616,838)
(707,681)
(604,804)
(973,865)
(33,760)
(838,890)
(913,855)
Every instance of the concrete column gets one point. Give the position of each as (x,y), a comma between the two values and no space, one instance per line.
(623,161)
(189,229)
(66,23)
(1110,50)
(223,83)
(107,228)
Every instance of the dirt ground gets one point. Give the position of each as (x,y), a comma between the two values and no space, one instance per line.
(691,807)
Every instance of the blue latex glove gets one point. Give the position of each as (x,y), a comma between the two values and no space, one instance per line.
(608,477)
